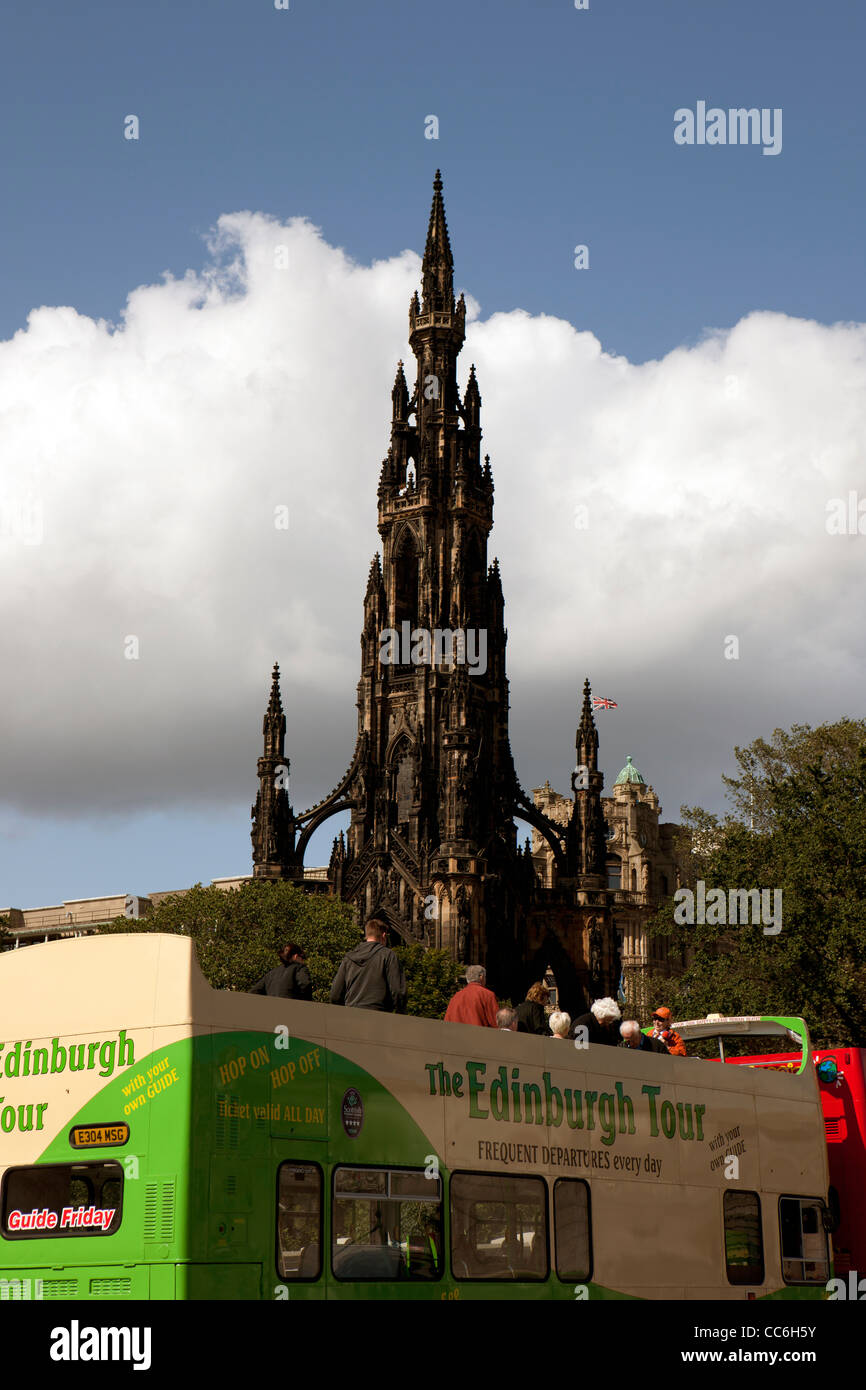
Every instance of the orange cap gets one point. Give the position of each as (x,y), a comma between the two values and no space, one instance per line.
(662,1013)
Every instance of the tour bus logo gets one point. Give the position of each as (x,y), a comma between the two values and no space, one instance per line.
(67,1219)
(352,1113)
(108,1055)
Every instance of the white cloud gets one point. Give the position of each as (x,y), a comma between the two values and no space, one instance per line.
(157,450)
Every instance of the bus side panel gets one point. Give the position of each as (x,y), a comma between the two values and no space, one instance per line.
(222,1283)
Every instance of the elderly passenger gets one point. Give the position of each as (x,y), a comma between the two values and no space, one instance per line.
(633,1037)
(475,1003)
(600,1024)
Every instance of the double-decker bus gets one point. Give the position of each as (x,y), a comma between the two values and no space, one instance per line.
(161,1139)
(841,1075)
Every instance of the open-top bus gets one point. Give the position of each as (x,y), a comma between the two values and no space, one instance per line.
(841,1075)
(161,1139)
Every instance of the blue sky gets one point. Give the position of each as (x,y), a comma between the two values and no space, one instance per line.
(555,129)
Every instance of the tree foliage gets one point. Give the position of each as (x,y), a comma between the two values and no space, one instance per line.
(432,979)
(765,765)
(237,935)
(805,793)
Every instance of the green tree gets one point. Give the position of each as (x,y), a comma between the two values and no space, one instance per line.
(432,978)
(237,933)
(765,764)
(807,794)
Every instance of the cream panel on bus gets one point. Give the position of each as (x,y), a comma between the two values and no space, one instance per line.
(786,1166)
(633,1232)
(126,981)
(729,1148)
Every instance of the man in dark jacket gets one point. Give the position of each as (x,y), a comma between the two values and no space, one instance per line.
(370,975)
(289,980)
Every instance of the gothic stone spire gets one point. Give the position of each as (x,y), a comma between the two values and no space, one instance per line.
(437,271)
(273,832)
(586,740)
(586,838)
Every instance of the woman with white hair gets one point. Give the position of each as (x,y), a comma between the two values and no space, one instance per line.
(560,1025)
(600,1025)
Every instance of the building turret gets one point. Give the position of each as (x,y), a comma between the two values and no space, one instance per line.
(273,832)
(629,774)
(586,838)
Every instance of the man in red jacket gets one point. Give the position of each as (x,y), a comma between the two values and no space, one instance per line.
(474,1004)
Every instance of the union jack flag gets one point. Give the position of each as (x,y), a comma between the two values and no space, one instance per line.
(599,702)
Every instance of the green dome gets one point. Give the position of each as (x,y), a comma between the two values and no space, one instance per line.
(629,774)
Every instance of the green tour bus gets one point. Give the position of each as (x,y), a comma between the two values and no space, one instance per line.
(160,1139)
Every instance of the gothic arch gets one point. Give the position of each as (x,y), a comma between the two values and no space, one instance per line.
(405,568)
(403,732)
(379,908)
(407,535)
(475,579)
(400,772)
(524,810)
(572,995)
(323,814)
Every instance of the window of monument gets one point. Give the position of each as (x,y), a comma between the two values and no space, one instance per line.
(406,584)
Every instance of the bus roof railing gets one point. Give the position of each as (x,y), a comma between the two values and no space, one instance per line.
(747,1025)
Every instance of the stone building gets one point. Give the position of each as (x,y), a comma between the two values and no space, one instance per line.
(431,788)
(641,870)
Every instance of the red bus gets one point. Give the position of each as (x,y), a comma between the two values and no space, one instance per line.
(842,1082)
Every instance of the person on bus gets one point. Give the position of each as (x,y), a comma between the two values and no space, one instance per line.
(633,1037)
(601,1023)
(531,1017)
(474,1003)
(288,980)
(665,1033)
(370,975)
(506,1020)
(560,1025)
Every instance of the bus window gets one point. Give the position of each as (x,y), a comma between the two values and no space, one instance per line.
(70,1199)
(804,1241)
(744,1243)
(498,1227)
(386,1223)
(299,1221)
(571,1224)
